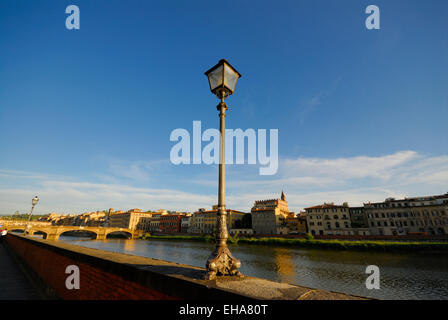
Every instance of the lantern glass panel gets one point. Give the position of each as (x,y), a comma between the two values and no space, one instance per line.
(215,78)
(230,78)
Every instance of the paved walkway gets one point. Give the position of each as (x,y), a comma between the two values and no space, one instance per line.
(14,285)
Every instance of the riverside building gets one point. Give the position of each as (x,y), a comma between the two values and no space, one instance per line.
(171,223)
(185,223)
(204,221)
(358,217)
(269,216)
(421,215)
(129,220)
(329,219)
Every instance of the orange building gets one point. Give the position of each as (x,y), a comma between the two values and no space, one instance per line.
(170,223)
(295,224)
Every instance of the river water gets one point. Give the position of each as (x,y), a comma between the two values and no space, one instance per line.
(402,275)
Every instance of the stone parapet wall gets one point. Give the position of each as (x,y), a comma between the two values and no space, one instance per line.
(108,275)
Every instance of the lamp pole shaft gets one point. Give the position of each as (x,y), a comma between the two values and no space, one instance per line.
(29,218)
(221,227)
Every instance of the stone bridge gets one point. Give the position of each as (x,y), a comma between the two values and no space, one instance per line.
(53,232)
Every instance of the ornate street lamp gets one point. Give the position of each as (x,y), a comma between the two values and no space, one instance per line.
(222,79)
(34,201)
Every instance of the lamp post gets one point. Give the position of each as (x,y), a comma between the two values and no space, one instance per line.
(34,201)
(222,79)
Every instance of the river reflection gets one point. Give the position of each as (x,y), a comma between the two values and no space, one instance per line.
(403,276)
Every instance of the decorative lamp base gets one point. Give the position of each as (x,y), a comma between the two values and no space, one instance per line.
(222,263)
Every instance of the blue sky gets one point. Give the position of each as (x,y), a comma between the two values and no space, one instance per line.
(86,115)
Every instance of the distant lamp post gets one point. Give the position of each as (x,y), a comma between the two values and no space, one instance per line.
(222,79)
(34,201)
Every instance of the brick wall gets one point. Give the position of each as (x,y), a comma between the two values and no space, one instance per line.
(113,276)
(96,282)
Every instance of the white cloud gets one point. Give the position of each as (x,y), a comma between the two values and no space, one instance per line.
(306,181)
(138,170)
(347,168)
(311,181)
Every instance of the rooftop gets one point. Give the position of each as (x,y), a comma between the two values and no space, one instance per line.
(327,206)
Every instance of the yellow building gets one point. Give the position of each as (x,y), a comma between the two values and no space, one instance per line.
(204,221)
(329,219)
(130,219)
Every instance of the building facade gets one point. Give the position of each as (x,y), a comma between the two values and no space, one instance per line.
(129,220)
(204,221)
(329,219)
(419,215)
(196,221)
(170,223)
(296,224)
(358,217)
(269,216)
(185,223)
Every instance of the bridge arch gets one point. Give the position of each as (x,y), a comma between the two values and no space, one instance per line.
(43,233)
(33,231)
(16,229)
(119,233)
(77,232)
